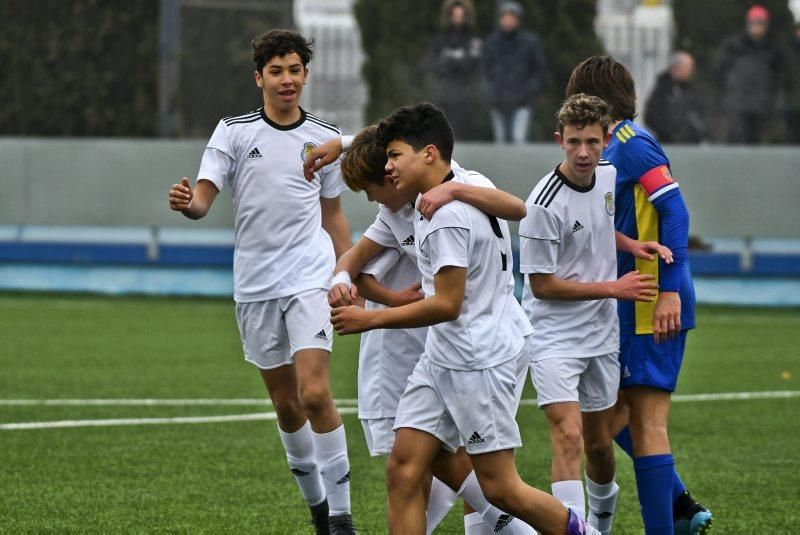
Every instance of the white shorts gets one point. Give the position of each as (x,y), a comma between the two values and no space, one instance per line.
(591,381)
(273,331)
(379,433)
(475,409)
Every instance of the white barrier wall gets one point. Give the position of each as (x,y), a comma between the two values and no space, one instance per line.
(731,191)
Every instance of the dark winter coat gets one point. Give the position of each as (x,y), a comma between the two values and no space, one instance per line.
(674,112)
(750,72)
(515,68)
(454,63)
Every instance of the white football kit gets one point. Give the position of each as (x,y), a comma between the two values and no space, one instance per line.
(464,388)
(569,233)
(283,259)
(386,356)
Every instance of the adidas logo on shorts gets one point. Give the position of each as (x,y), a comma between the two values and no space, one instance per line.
(344,479)
(475,438)
(255,153)
(502,522)
(321,335)
(298,472)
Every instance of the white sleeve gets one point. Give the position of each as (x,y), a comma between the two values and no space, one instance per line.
(346,142)
(218,163)
(449,246)
(380,264)
(331,183)
(448,238)
(538,241)
(380,232)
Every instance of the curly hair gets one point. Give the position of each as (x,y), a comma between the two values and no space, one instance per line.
(279,43)
(605,77)
(418,125)
(364,162)
(581,110)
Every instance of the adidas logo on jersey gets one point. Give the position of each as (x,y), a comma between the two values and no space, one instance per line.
(408,241)
(475,438)
(255,153)
(321,335)
(502,522)
(344,479)
(577,226)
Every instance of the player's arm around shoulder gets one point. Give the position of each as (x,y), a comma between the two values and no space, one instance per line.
(195,202)
(492,201)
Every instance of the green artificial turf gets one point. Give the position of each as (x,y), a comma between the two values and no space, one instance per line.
(737,456)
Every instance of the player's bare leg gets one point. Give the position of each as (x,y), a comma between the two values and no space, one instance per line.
(503,487)
(409,462)
(602,489)
(317,453)
(566,442)
(455,470)
(649,415)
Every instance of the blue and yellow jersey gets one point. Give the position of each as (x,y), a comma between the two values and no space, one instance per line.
(649,208)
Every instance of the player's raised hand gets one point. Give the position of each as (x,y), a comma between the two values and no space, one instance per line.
(412,294)
(180,195)
(350,319)
(667,316)
(341,295)
(435,198)
(321,156)
(646,249)
(635,287)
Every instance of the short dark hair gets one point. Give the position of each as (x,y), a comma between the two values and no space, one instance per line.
(608,79)
(364,162)
(582,110)
(418,125)
(279,43)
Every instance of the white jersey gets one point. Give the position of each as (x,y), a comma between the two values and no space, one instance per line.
(388,356)
(280,247)
(569,232)
(487,332)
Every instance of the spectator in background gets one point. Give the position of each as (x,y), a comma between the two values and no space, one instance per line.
(454,61)
(749,66)
(515,70)
(792,101)
(674,111)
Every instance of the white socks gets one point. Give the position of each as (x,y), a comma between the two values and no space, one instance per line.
(496,520)
(331,454)
(474,525)
(440,502)
(570,493)
(602,502)
(299,448)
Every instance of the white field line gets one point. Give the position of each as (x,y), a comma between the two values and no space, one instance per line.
(259,402)
(153,421)
(721,396)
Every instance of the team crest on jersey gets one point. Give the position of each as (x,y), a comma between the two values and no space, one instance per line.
(307,148)
(609,197)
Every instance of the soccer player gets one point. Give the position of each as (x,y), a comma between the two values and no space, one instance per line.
(385,257)
(463,388)
(649,207)
(286,233)
(567,248)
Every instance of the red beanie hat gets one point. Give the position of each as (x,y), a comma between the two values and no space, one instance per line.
(757,13)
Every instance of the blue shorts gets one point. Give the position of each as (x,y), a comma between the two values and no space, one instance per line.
(646,363)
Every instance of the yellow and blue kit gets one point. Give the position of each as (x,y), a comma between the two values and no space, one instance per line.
(649,207)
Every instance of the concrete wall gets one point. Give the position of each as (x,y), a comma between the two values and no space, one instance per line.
(731,191)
